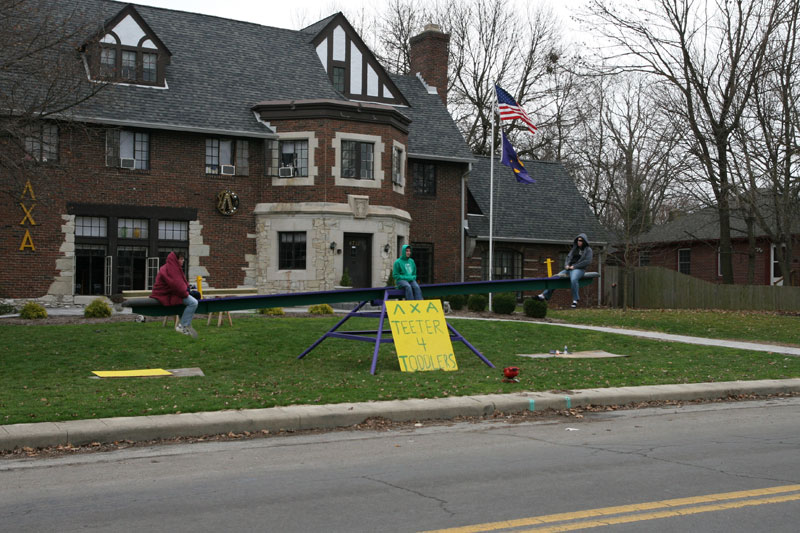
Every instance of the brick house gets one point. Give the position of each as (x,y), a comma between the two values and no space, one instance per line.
(274,158)
(532,223)
(689,243)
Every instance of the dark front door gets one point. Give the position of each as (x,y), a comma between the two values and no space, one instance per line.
(357,258)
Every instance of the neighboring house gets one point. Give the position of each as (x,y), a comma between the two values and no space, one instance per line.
(532,223)
(274,158)
(689,243)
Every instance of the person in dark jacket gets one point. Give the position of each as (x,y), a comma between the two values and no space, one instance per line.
(404,272)
(578,259)
(171,288)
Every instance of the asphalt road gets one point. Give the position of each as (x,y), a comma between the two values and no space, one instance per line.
(640,470)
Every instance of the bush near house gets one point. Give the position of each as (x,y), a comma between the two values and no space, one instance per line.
(32,311)
(457,301)
(97,309)
(272,311)
(534,308)
(321,309)
(477,303)
(504,303)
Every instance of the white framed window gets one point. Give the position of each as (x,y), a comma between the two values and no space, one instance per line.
(358,160)
(173,230)
(91,226)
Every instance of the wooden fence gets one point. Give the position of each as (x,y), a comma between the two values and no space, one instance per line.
(661,288)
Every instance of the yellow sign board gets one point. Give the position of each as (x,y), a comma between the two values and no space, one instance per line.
(420,335)
(143,373)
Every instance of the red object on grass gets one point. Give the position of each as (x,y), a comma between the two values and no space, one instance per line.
(511,372)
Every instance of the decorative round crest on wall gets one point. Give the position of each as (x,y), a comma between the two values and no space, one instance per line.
(227,202)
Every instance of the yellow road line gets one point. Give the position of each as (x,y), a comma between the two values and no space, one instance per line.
(620,509)
(662,514)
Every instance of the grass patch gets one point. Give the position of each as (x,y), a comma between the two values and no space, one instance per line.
(45,370)
(731,325)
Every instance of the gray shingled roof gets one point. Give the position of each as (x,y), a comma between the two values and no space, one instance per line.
(220,68)
(703,225)
(432,131)
(550,210)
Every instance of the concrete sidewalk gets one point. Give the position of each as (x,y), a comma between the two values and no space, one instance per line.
(669,337)
(142,428)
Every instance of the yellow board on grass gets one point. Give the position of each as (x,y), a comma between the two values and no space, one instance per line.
(420,335)
(143,373)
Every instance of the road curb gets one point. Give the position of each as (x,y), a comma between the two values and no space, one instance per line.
(302,417)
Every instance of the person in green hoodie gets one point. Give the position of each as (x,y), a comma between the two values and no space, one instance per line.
(405,274)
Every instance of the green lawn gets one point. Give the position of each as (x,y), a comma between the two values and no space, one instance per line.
(45,370)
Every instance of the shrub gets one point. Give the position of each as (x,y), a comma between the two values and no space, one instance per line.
(504,303)
(390,282)
(345,281)
(477,303)
(535,308)
(32,311)
(7,309)
(457,301)
(272,311)
(97,309)
(321,309)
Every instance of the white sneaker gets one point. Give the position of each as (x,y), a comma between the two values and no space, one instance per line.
(184,330)
(540,297)
(574,304)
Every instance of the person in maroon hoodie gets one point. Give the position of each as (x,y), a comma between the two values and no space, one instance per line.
(171,288)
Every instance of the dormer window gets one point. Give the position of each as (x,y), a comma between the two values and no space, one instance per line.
(352,68)
(128,51)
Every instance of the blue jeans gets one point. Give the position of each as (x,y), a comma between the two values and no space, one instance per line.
(191,306)
(574,276)
(412,289)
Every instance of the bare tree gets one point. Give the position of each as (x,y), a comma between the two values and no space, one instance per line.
(767,147)
(42,79)
(712,54)
(401,20)
(626,158)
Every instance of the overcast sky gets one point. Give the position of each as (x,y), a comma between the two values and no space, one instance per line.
(295,14)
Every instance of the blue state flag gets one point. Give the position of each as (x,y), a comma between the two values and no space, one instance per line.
(511,160)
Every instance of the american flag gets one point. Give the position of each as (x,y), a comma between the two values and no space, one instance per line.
(509,109)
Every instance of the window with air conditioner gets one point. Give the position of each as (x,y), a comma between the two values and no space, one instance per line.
(227,157)
(128,149)
(293,158)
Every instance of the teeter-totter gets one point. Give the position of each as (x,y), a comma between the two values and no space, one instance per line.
(377,296)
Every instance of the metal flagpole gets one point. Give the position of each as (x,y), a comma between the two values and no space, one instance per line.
(491,197)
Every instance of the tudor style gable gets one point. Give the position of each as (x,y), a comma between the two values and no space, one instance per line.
(351,66)
(128,51)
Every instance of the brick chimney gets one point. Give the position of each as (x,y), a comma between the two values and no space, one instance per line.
(429,58)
